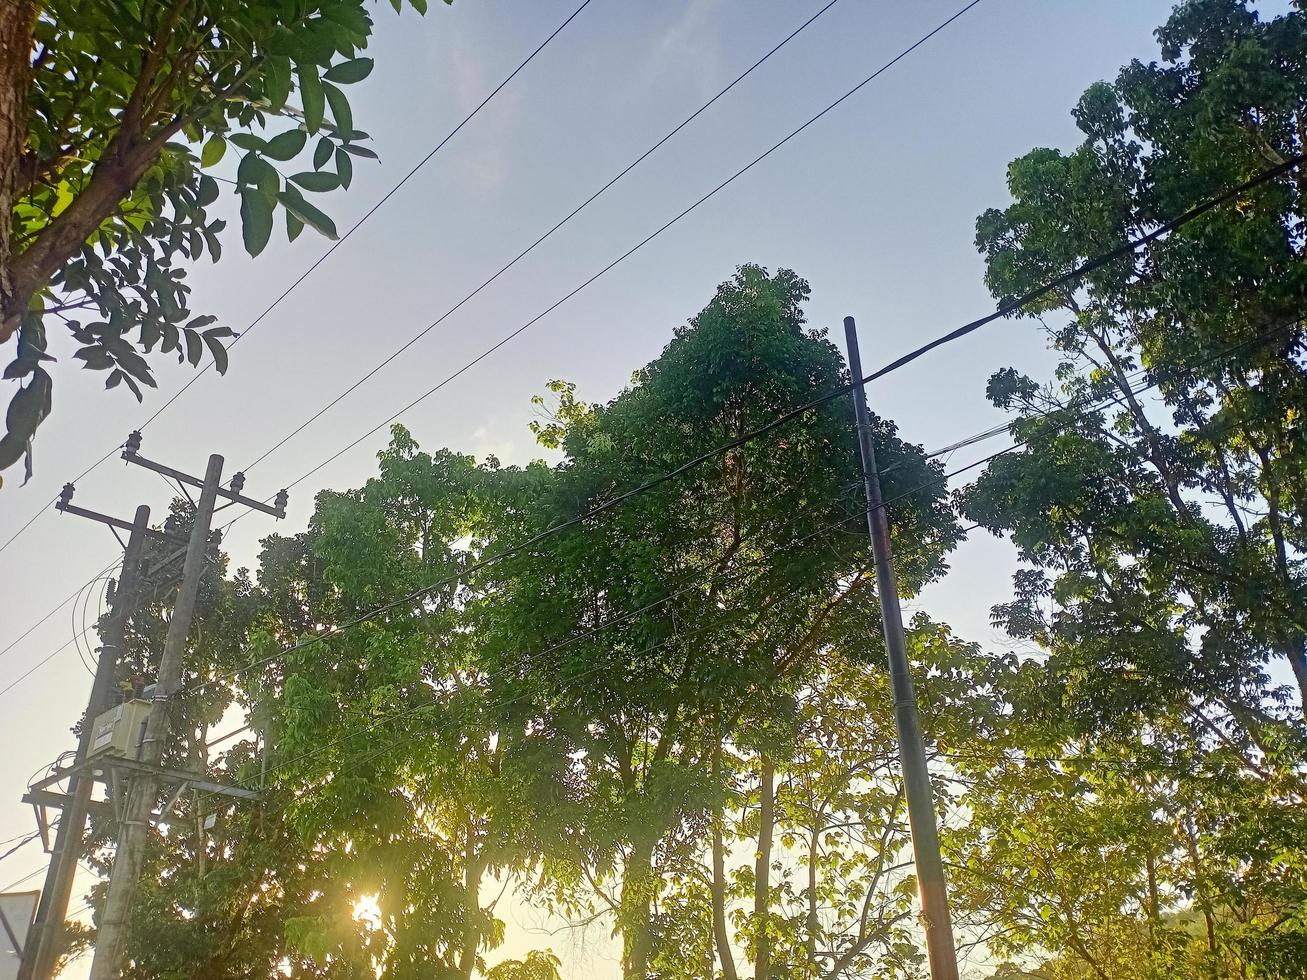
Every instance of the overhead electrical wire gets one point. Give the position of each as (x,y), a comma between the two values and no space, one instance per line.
(295,283)
(413,596)
(885,67)
(21,844)
(970,440)
(784,418)
(539,241)
(67,599)
(358,760)
(508,338)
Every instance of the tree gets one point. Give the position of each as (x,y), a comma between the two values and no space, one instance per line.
(1175,528)
(110,114)
(717,594)
(1162,534)
(605,722)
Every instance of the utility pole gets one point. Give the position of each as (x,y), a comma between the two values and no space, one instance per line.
(912,747)
(43,940)
(142,789)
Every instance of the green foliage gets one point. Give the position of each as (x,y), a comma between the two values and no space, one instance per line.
(126,106)
(1161,533)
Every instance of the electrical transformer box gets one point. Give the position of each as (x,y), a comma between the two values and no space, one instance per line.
(120,730)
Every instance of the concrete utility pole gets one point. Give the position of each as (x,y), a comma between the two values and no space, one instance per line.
(44,938)
(141,776)
(143,791)
(912,747)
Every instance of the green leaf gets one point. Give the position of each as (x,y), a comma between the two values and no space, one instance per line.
(207,192)
(213,150)
(317,181)
(259,172)
(194,347)
(248,141)
(287,145)
(29,406)
(312,96)
(340,111)
(277,82)
(349,72)
(360,151)
(217,352)
(293,225)
(344,168)
(96,358)
(322,153)
(256,220)
(293,201)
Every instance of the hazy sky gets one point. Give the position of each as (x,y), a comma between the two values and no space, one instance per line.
(874,205)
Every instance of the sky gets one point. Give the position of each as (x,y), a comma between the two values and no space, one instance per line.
(874,205)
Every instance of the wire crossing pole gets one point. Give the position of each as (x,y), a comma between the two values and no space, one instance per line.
(912,748)
(45,937)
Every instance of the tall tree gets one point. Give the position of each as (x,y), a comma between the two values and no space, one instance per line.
(1158,508)
(1167,528)
(717,592)
(110,112)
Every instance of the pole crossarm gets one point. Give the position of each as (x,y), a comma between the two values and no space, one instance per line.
(98,768)
(192,779)
(64,507)
(57,801)
(277,509)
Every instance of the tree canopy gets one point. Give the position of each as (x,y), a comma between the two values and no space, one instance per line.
(115,120)
(467,689)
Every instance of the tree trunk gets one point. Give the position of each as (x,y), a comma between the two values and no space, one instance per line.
(718,890)
(637,893)
(1293,652)
(762,873)
(473,869)
(17,19)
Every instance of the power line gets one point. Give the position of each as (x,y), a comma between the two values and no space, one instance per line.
(25,878)
(549,532)
(530,248)
(67,599)
(322,258)
(376,207)
(641,244)
(21,844)
(37,666)
(1078,414)
(943,478)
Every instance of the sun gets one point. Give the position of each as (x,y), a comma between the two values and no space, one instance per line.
(368,911)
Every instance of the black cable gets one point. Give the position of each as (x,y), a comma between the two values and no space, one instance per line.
(55,499)
(645,241)
(376,207)
(529,543)
(530,248)
(359,760)
(21,844)
(67,599)
(322,258)
(942,478)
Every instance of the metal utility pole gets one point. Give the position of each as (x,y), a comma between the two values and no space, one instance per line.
(43,939)
(912,748)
